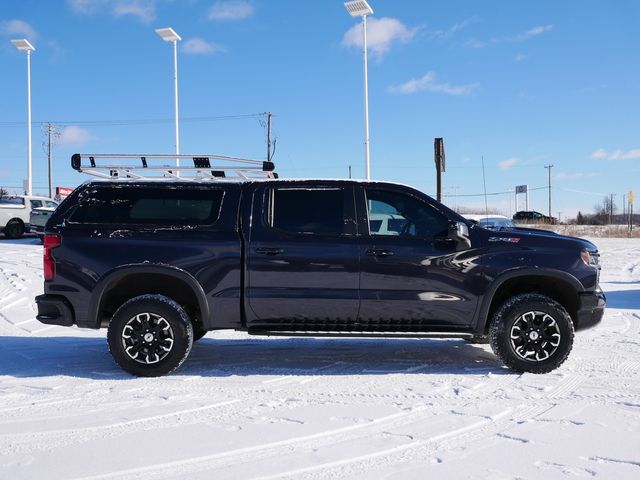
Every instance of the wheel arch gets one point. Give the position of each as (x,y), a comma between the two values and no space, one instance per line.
(555,284)
(123,283)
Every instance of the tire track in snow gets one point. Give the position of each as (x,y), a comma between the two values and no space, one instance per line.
(18,442)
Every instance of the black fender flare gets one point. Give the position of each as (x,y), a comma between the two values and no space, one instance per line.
(119,273)
(482,316)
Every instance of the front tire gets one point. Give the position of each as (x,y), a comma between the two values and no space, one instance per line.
(531,333)
(150,336)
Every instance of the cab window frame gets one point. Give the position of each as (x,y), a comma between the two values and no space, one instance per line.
(427,204)
(349,223)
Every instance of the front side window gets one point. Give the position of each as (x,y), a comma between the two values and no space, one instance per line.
(149,206)
(318,211)
(397,214)
(51,204)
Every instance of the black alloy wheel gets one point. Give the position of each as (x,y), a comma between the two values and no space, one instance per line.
(150,335)
(531,333)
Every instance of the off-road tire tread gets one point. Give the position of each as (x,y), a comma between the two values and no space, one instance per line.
(498,332)
(173,313)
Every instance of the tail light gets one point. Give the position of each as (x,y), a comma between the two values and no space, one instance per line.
(50,242)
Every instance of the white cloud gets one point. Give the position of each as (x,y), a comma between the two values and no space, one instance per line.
(144,10)
(73,135)
(381,34)
(533,32)
(599,154)
(18,28)
(508,163)
(444,34)
(428,83)
(230,10)
(520,57)
(521,37)
(602,154)
(199,46)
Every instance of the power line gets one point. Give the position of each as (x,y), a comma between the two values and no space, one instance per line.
(141,121)
(491,194)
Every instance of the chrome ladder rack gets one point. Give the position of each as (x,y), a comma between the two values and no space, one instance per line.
(205,167)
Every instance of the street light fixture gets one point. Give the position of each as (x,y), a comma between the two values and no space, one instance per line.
(169,35)
(360,8)
(23,45)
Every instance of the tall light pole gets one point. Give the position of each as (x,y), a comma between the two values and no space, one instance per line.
(169,35)
(549,167)
(23,45)
(360,8)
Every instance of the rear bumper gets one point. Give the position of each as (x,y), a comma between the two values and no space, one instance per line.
(54,310)
(591,309)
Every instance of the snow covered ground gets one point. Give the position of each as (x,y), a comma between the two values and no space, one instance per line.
(252,407)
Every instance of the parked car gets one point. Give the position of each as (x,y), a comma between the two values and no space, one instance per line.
(490,222)
(15,213)
(161,262)
(533,217)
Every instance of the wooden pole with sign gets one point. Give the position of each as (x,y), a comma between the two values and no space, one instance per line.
(438,150)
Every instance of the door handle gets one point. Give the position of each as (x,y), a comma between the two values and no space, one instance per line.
(379,252)
(269,250)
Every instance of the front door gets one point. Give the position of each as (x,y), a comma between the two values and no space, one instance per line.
(412,276)
(303,266)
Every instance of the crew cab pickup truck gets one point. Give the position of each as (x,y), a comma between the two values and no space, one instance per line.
(15,212)
(161,262)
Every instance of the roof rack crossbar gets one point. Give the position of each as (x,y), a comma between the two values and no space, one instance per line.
(203,166)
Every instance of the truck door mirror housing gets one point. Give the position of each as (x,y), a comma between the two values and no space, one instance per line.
(459,232)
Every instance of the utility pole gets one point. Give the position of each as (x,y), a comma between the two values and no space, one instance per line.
(269,155)
(52,133)
(549,167)
(349,171)
(49,159)
(611,208)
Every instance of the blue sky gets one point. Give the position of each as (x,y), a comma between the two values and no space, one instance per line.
(522,84)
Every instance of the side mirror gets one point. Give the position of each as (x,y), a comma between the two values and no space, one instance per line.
(459,232)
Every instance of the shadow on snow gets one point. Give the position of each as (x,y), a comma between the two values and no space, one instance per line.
(623,299)
(211,357)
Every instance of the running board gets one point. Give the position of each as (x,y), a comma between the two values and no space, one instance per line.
(283,333)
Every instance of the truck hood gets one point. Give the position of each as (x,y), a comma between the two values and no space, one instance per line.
(531,237)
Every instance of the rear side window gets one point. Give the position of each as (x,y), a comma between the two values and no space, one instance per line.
(319,211)
(148,206)
(7,200)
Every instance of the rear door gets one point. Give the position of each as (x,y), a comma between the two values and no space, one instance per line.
(412,276)
(302,254)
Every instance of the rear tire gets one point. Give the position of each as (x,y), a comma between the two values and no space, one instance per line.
(531,333)
(14,228)
(150,336)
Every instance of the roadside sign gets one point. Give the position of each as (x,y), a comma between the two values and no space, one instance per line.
(63,191)
(521,189)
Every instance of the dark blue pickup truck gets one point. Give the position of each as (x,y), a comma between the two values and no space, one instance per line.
(160,262)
